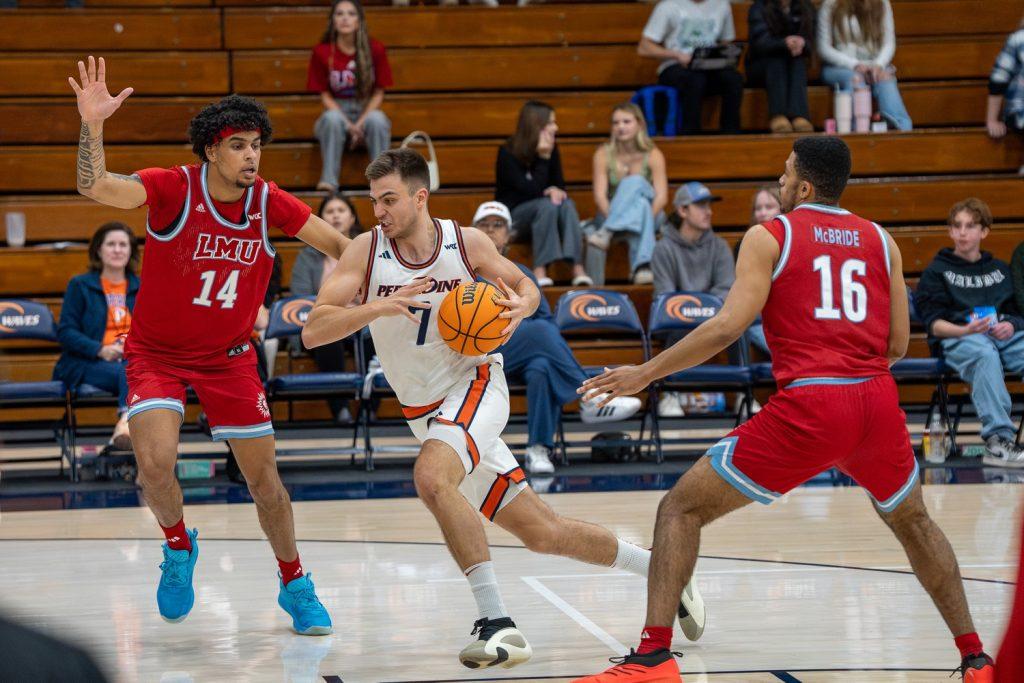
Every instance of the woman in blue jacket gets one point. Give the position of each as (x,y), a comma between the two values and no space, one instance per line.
(95,318)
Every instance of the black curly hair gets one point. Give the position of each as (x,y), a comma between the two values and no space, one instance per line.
(233,111)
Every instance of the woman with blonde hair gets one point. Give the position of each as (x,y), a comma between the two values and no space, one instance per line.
(766,204)
(350,71)
(857,40)
(630,189)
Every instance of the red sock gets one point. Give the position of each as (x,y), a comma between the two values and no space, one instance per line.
(290,570)
(655,638)
(177,536)
(969,644)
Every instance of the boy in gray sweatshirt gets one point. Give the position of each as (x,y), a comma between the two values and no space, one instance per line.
(691,256)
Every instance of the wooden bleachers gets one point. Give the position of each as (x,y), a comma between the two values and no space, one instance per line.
(299,27)
(462,75)
(158,119)
(471,162)
(891,201)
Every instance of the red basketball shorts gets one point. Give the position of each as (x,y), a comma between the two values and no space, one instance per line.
(232,396)
(852,424)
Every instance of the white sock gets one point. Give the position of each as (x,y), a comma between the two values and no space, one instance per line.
(484,584)
(632,558)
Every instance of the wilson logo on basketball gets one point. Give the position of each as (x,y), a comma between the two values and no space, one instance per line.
(591,307)
(687,308)
(12,317)
(296,312)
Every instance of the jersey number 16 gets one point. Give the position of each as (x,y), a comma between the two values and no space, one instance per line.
(854,294)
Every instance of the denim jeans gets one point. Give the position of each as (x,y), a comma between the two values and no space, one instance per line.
(890,104)
(109,376)
(980,361)
(641,249)
(331,131)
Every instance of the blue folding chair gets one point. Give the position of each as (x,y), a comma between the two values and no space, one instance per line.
(594,311)
(646,98)
(24,319)
(287,318)
(685,311)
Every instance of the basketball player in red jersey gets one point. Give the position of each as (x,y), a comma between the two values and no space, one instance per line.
(829,287)
(207,263)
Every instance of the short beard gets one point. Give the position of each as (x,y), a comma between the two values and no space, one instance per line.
(243,185)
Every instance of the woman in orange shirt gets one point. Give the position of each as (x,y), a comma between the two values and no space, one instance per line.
(95,317)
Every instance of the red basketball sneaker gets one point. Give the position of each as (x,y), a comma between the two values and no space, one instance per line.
(978,669)
(654,667)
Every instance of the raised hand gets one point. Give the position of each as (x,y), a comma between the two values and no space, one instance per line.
(94,101)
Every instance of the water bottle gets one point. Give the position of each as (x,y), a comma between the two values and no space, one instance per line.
(935,450)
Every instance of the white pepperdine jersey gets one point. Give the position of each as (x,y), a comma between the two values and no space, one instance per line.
(417,363)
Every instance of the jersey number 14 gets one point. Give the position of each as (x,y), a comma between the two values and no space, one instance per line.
(226,295)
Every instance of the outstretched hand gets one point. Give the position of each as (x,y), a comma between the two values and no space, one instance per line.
(626,380)
(94,101)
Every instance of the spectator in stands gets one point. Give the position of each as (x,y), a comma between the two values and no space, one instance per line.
(690,257)
(630,191)
(531,184)
(311,271)
(767,204)
(538,356)
(856,41)
(966,301)
(350,71)
(781,34)
(1006,88)
(675,30)
(95,318)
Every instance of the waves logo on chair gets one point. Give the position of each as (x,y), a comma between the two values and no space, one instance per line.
(12,317)
(296,312)
(688,309)
(592,307)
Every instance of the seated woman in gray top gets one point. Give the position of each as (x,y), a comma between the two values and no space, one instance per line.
(630,191)
(311,270)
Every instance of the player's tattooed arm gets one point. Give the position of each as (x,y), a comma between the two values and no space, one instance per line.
(95,105)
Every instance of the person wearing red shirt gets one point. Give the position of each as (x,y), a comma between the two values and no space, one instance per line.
(350,71)
(205,273)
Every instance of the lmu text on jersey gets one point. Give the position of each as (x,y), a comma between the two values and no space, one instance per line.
(224,248)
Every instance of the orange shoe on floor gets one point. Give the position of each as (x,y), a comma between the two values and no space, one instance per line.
(977,669)
(654,667)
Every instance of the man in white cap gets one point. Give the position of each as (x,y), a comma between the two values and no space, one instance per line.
(538,356)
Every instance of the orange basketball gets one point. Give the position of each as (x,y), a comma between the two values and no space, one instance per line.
(468,320)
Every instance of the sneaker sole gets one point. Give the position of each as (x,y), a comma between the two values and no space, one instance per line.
(999,462)
(315,631)
(506,658)
(505,654)
(174,621)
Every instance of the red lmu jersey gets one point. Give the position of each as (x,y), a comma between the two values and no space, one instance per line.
(828,315)
(204,276)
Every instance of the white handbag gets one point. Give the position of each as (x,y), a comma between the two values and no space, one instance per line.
(435,173)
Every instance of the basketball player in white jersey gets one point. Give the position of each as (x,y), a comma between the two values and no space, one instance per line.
(456,405)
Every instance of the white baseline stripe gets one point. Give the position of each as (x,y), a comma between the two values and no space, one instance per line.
(574,614)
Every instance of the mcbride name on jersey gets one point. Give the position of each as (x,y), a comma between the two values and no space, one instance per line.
(418,365)
(206,266)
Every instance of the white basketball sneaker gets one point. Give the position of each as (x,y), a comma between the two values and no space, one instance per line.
(538,460)
(620,408)
(692,614)
(499,643)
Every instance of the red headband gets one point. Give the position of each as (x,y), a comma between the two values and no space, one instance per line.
(228,131)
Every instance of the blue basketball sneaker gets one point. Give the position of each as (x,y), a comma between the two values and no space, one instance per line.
(298,599)
(174,595)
